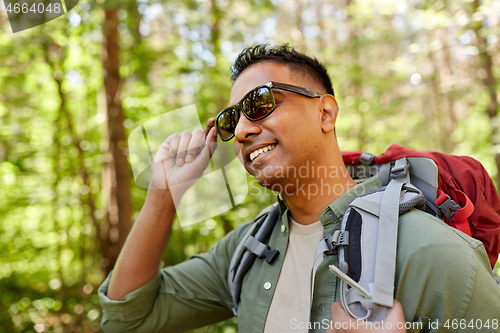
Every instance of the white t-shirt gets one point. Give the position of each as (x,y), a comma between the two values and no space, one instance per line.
(290,305)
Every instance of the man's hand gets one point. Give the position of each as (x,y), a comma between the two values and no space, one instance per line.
(182,158)
(179,162)
(341,321)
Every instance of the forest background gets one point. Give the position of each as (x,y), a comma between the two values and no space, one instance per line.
(420,73)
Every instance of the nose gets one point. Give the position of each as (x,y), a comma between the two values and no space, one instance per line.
(245,129)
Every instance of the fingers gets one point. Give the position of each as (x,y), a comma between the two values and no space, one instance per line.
(183,147)
(211,143)
(168,148)
(186,146)
(210,124)
(173,142)
(196,141)
(190,144)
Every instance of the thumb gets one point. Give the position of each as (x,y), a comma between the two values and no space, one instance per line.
(396,312)
(338,313)
(340,319)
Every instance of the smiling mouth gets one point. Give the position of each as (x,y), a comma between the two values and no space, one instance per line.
(261,151)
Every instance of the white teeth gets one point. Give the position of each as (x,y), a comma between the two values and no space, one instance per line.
(260,151)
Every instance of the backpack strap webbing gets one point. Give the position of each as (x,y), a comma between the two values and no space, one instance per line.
(251,246)
(385,259)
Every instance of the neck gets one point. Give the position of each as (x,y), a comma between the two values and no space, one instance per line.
(314,194)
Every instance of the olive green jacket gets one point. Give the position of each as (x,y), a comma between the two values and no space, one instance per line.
(443,280)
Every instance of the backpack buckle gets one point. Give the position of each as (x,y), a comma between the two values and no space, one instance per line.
(339,238)
(261,250)
(269,254)
(400,168)
(447,206)
(366,158)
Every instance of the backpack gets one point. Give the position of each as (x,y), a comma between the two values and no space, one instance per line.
(446,186)
(466,199)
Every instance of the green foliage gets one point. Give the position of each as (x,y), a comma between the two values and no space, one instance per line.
(175,53)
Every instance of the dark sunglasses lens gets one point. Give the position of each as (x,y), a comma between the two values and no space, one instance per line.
(258,103)
(226,123)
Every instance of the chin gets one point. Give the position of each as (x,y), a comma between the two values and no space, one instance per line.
(272,181)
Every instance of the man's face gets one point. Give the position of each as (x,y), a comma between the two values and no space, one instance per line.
(294,128)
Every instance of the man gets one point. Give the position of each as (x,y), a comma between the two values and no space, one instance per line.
(283,118)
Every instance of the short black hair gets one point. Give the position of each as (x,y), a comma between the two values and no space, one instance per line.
(283,54)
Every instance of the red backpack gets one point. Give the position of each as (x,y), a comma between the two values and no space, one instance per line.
(454,188)
(466,197)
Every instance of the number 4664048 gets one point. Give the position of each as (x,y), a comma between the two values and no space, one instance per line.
(35,8)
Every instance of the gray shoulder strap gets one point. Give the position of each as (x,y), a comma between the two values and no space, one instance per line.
(251,246)
(385,259)
(237,256)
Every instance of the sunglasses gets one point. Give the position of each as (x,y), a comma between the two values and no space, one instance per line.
(257,104)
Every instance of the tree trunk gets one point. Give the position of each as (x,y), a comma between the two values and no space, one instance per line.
(436,117)
(119,207)
(449,119)
(486,63)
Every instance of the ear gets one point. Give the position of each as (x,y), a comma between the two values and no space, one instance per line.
(329,110)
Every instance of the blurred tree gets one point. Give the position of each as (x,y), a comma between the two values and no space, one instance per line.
(116,173)
(488,77)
